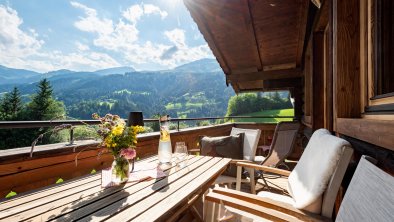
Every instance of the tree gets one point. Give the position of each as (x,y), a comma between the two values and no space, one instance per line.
(43,106)
(10,109)
(11,105)
(246,103)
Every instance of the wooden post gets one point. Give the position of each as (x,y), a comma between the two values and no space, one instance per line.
(298,102)
(346,59)
(318,81)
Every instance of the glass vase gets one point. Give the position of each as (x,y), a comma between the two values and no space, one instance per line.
(120,170)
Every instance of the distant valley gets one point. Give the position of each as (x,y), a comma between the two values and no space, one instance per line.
(195,89)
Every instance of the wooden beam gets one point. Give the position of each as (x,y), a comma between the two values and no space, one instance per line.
(292,65)
(322,17)
(378,132)
(277,84)
(252,33)
(302,22)
(282,83)
(265,75)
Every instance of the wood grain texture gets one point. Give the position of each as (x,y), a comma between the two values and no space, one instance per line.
(265,75)
(79,198)
(184,191)
(378,132)
(264,168)
(236,31)
(78,205)
(25,173)
(346,35)
(270,204)
(20,173)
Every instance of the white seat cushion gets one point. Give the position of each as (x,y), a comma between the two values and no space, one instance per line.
(309,179)
(314,208)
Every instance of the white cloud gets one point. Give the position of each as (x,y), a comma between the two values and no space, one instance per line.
(91,23)
(176,36)
(81,46)
(23,49)
(133,14)
(180,52)
(86,61)
(152,9)
(123,35)
(14,42)
(79,61)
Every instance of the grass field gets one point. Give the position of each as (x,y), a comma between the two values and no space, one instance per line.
(278,112)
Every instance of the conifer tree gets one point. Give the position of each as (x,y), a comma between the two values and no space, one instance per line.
(10,109)
(15,102)
(43,106)
(11,105)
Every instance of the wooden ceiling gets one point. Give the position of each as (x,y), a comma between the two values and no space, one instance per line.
(253,40)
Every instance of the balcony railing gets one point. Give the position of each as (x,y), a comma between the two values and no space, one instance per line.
(19,172)
(54,123)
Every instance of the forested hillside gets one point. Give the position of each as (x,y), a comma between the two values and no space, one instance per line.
(192,90)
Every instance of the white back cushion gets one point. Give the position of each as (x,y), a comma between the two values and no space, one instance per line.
(251,141)
(309,179)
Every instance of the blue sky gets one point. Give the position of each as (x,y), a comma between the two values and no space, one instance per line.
(86,35)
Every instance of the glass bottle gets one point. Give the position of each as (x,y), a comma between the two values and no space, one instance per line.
(165,150)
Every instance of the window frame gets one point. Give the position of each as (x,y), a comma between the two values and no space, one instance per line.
(372,103)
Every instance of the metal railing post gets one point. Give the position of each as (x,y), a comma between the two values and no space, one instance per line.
(71,137)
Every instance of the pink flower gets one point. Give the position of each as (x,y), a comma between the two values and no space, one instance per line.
(128,153)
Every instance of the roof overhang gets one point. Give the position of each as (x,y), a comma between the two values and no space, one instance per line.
(255,41)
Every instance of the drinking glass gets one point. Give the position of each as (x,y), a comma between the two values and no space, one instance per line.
(180,152)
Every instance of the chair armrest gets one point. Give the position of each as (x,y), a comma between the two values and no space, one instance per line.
(262,207)
(194,151)
(264,168)
(235,161)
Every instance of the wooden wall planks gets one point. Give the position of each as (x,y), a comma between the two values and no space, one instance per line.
(373,131)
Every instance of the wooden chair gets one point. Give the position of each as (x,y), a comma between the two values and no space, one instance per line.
(251,140)
(282,144)
(369,197)
(314,182)
(281,147)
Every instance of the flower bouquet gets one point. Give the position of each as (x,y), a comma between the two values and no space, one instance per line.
(120,140)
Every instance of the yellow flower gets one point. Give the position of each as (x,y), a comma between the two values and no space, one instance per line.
(138,129)
(117,130)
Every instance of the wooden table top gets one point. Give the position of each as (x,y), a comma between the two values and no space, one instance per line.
(84,199)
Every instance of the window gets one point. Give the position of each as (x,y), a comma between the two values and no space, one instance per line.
(384,49)
(377,58)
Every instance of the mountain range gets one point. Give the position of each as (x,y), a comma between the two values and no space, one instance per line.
(191,90)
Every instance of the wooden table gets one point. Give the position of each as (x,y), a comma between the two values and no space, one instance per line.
(150,200)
